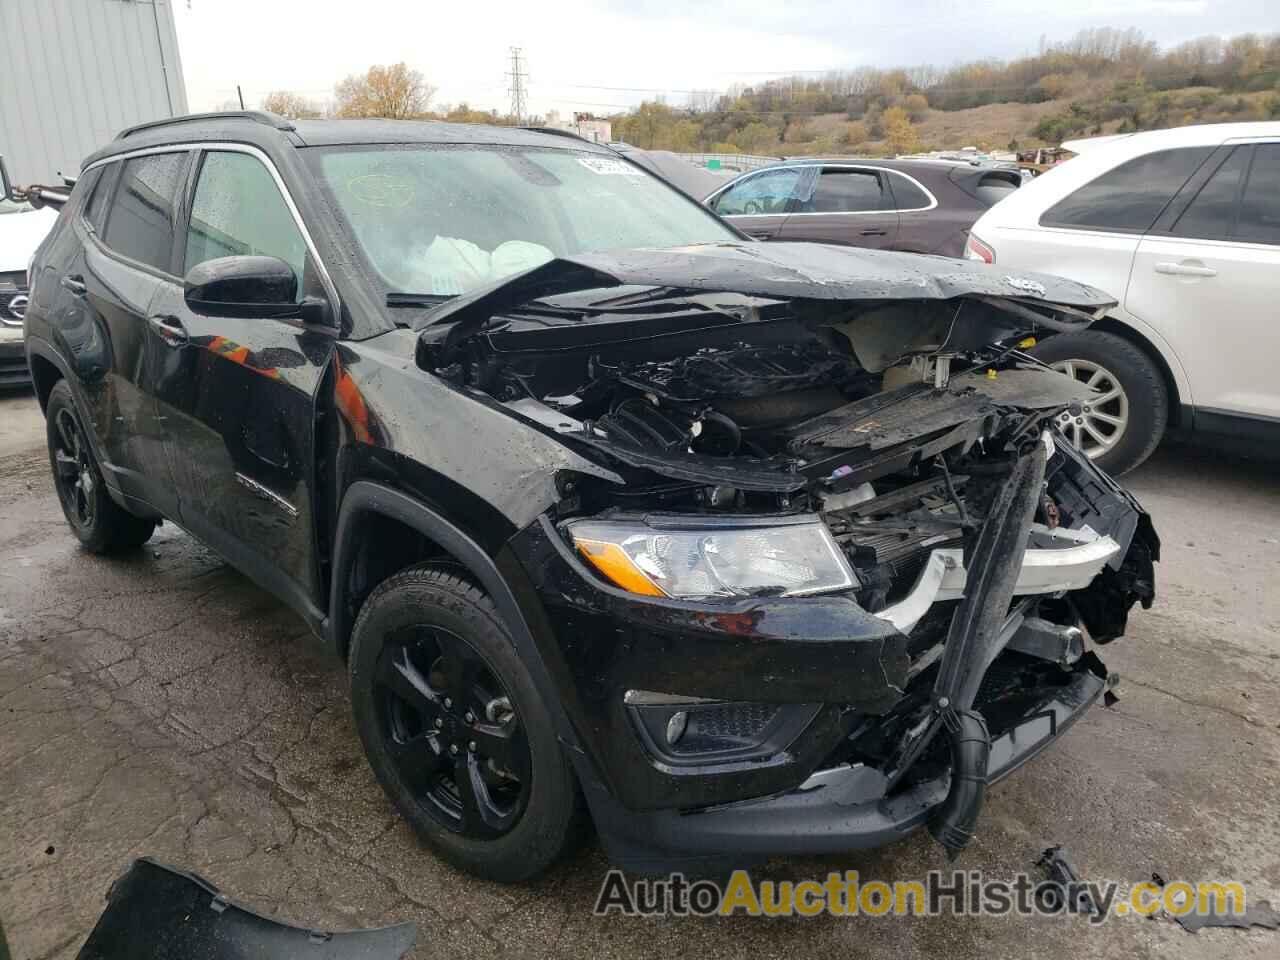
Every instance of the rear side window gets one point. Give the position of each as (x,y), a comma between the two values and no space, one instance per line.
(95,211)
(1129,198)
(906,195)
(1211,215)
(1260,208)
(238,210)
(994,187)
(140,224)
(847,191)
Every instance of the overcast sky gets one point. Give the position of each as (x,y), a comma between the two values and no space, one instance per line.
(610,54)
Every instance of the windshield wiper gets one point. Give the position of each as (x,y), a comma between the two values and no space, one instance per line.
(417,299)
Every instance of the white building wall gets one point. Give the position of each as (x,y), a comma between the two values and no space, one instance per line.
(73,73)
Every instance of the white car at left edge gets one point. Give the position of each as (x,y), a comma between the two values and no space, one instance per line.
(22,230)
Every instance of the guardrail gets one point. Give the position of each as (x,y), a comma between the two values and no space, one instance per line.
(741,162)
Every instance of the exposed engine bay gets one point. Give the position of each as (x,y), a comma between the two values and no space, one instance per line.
(900,451)
(896,423)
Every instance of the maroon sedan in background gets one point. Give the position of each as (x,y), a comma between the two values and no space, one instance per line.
(920,206)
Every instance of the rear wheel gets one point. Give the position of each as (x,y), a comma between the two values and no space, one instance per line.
(102,525)
(1122,427)
(455,730)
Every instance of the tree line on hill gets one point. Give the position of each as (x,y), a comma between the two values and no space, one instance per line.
(1104,79)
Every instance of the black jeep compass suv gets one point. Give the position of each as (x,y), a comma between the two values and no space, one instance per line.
(733,548)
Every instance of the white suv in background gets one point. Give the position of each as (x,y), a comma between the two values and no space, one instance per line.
(1182,227)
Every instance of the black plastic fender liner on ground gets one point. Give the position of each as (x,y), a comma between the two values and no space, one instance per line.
(155,912)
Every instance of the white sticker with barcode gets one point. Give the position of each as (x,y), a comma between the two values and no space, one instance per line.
(608,167)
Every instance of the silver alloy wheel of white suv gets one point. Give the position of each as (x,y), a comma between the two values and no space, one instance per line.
(1102,423)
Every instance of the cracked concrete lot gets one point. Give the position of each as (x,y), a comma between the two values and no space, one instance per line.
(162,704)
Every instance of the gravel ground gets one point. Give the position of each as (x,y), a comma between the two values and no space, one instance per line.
(162,704)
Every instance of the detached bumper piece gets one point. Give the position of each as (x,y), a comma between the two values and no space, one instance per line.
(155,912)
(1054,560)
(973,642)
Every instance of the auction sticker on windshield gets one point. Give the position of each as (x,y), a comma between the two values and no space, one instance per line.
(606,166)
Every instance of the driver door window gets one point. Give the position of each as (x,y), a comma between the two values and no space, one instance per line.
(765,193)
(759,203)
(238,210)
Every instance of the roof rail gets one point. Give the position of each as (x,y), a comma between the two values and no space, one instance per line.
(257,116)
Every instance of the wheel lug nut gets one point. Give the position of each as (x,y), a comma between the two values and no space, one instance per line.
(1079,419)
(439,723)
(448,704)
(470,717)
(472,746)
(453,749)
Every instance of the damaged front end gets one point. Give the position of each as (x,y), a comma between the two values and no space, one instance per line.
(851,575)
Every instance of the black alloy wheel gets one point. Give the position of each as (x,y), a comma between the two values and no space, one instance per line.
(99,523)
(451,731)
(457,730)
(74,473)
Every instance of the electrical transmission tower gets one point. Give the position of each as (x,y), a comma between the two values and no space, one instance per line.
(519,78)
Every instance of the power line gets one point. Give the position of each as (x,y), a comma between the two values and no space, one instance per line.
(518,77)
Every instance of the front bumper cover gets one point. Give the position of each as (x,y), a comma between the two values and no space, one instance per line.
(13,358)
(851,668)
(833,810)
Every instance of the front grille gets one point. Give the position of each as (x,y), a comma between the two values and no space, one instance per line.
(13,298)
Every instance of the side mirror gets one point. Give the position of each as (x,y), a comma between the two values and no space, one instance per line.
(250,286)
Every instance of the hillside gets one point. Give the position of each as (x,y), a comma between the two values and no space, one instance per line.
(1101,81)
(995,126)
(990,126)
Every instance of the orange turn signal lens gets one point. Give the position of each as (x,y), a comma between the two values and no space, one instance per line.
(612,561)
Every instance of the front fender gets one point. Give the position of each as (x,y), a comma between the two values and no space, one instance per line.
(365,497)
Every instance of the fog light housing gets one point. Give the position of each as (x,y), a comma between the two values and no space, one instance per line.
(676,726)
(688,732)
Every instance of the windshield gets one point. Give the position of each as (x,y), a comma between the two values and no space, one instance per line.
(445,219)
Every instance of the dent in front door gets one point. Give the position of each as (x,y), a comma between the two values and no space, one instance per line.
(100,312)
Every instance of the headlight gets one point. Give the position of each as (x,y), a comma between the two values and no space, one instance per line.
(682,558)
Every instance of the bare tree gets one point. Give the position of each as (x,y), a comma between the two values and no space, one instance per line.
(291,105)
(384,91)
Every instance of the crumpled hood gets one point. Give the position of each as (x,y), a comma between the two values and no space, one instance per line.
(811,271)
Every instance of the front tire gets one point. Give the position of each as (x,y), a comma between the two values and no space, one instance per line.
(102,525)
(1125,426)
(454,728)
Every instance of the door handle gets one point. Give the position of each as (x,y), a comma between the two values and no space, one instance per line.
(874,233)
(169,328)
(73,285)
(759,236)
(1185,269)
